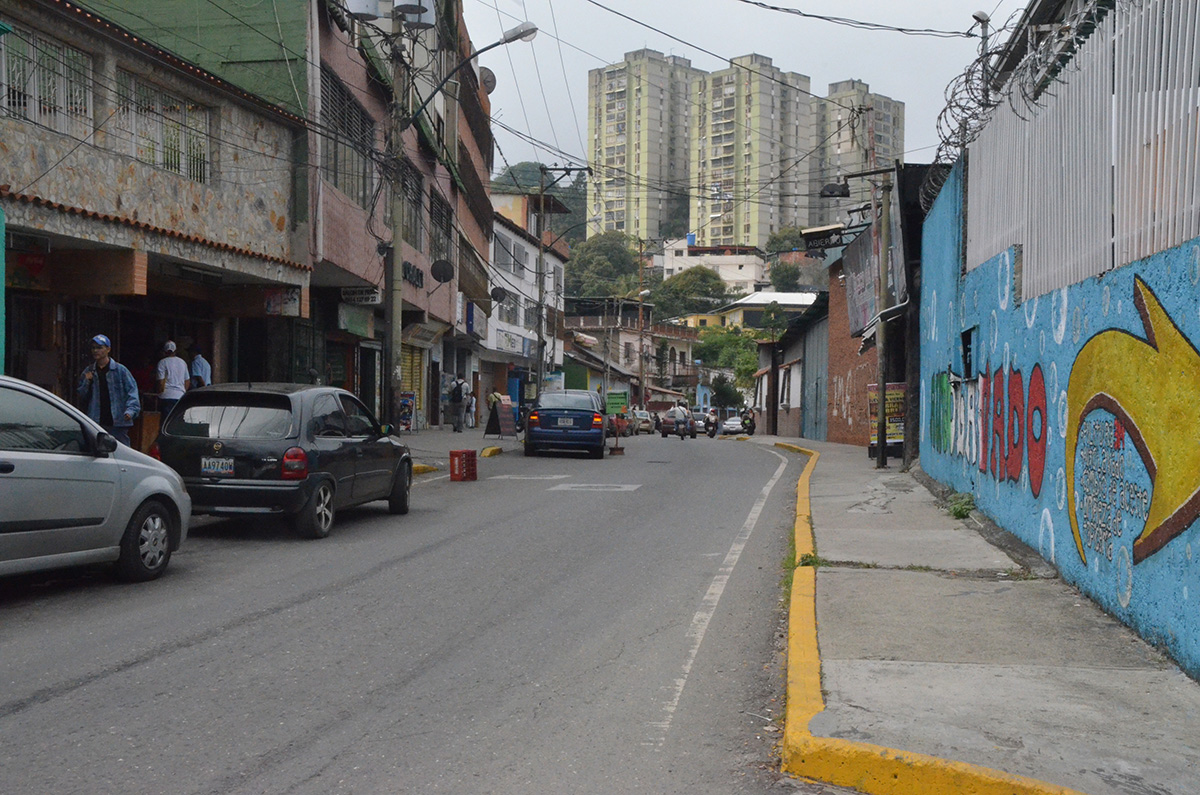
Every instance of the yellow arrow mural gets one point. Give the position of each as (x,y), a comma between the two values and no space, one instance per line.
(1153,388)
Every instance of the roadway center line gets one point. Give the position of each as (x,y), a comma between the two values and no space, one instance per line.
(708,605)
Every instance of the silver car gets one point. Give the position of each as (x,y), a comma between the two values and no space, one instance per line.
(70,494)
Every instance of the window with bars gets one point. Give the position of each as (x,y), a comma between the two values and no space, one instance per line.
(411,191)
(349,140)
(46,83)
(440,222)
(161,129)
(531,313)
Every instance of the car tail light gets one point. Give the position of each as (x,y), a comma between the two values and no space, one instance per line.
(597,420)
(154,452)
(295,464)
(533,418)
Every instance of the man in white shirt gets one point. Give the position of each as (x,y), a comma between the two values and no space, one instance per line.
(173,377)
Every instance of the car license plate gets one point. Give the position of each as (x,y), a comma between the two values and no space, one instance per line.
(565,422)
(216,466)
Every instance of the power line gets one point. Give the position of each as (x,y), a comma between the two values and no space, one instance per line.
(853,23)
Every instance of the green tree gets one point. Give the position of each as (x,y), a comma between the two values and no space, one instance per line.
(786,239)
(731,348)
(725,393)
(774,320)
(598,264)
(697,289)
(785,277)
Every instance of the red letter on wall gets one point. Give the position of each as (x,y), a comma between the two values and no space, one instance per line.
(1036,444)
(1016,423)
(999,461)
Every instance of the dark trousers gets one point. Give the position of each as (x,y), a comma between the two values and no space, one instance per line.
(164,407)
(121,434)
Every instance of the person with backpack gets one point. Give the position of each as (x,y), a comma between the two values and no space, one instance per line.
(459,392)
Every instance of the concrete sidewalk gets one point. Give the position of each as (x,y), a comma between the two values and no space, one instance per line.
(924,658)
(431,448)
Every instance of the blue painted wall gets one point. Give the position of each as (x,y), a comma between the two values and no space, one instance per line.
(1074,419)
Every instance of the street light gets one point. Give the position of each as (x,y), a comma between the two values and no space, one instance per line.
(395,306)
(523,32)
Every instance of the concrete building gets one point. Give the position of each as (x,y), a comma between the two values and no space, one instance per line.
(845,145)
(638,122)
(742,268)
(145,199)
(751,126)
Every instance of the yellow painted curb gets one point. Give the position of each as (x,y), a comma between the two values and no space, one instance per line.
(868,768)
(490,452)
(423,469)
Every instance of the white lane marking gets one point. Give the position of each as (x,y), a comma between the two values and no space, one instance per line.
(528,477)
(708,605)
(596,487)
(420,479)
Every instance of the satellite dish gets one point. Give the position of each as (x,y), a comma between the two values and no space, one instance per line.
(487,79)
(442,271)
(498,294)
(402,7)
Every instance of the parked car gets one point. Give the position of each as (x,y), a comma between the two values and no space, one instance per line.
(642,422)
(678,414)
(566,419)
(298,451)
(614,423)
(732,425)
(70,494)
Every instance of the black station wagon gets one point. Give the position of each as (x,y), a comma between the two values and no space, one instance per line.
(294,450)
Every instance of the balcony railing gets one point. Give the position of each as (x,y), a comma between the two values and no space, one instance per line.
(600,322)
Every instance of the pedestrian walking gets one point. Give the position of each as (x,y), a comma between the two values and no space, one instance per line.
(109,391)
(173,378)
(200,368)
(471,411)
(459,392)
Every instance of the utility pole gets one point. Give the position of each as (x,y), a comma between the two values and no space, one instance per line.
(641,325)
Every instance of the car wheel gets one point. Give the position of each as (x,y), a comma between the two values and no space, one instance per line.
(401,489)
(146,545)
(530,450)
(664,433)
(316,517)
(693,434)
(598,452)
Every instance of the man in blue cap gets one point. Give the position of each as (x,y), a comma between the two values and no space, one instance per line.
(109,391)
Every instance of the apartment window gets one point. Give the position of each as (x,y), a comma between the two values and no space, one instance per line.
(531,313)
(504,253)
(510,310)
(440,221)
(411,190)
(349,140)
(46,83)
(161,129)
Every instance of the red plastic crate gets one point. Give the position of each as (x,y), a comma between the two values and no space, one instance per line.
(462,465)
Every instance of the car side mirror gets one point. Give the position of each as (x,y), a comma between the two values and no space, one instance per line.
(385,429)
(106,443)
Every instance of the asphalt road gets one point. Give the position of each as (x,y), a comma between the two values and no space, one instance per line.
(560,625)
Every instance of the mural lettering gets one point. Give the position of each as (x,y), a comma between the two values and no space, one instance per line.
(994,422)
(1108,494)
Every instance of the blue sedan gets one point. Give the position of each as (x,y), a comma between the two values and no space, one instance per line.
(566,419)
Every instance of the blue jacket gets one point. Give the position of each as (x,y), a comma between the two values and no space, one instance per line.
(122,394)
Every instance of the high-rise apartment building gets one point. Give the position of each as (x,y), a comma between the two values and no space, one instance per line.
(751,138)
(638,126)
(844,138)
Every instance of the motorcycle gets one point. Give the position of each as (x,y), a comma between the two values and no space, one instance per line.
(710,426)
(681,427)
(748,425)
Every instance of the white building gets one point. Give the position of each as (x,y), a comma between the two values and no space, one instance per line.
(743,269)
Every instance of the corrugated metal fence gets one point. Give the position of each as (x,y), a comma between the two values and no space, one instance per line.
(1103,171)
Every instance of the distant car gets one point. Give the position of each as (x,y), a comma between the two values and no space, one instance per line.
(732,425)
(566,419)
(678,414)
(698,418)
(70,494)
(615,422)
(642,422)
(298,451)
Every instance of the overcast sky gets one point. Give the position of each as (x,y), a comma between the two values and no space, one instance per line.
(542,85)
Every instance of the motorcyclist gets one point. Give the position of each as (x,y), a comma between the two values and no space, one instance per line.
(748,421)
(711,422)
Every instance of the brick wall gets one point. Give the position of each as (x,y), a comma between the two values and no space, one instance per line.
(849,372)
